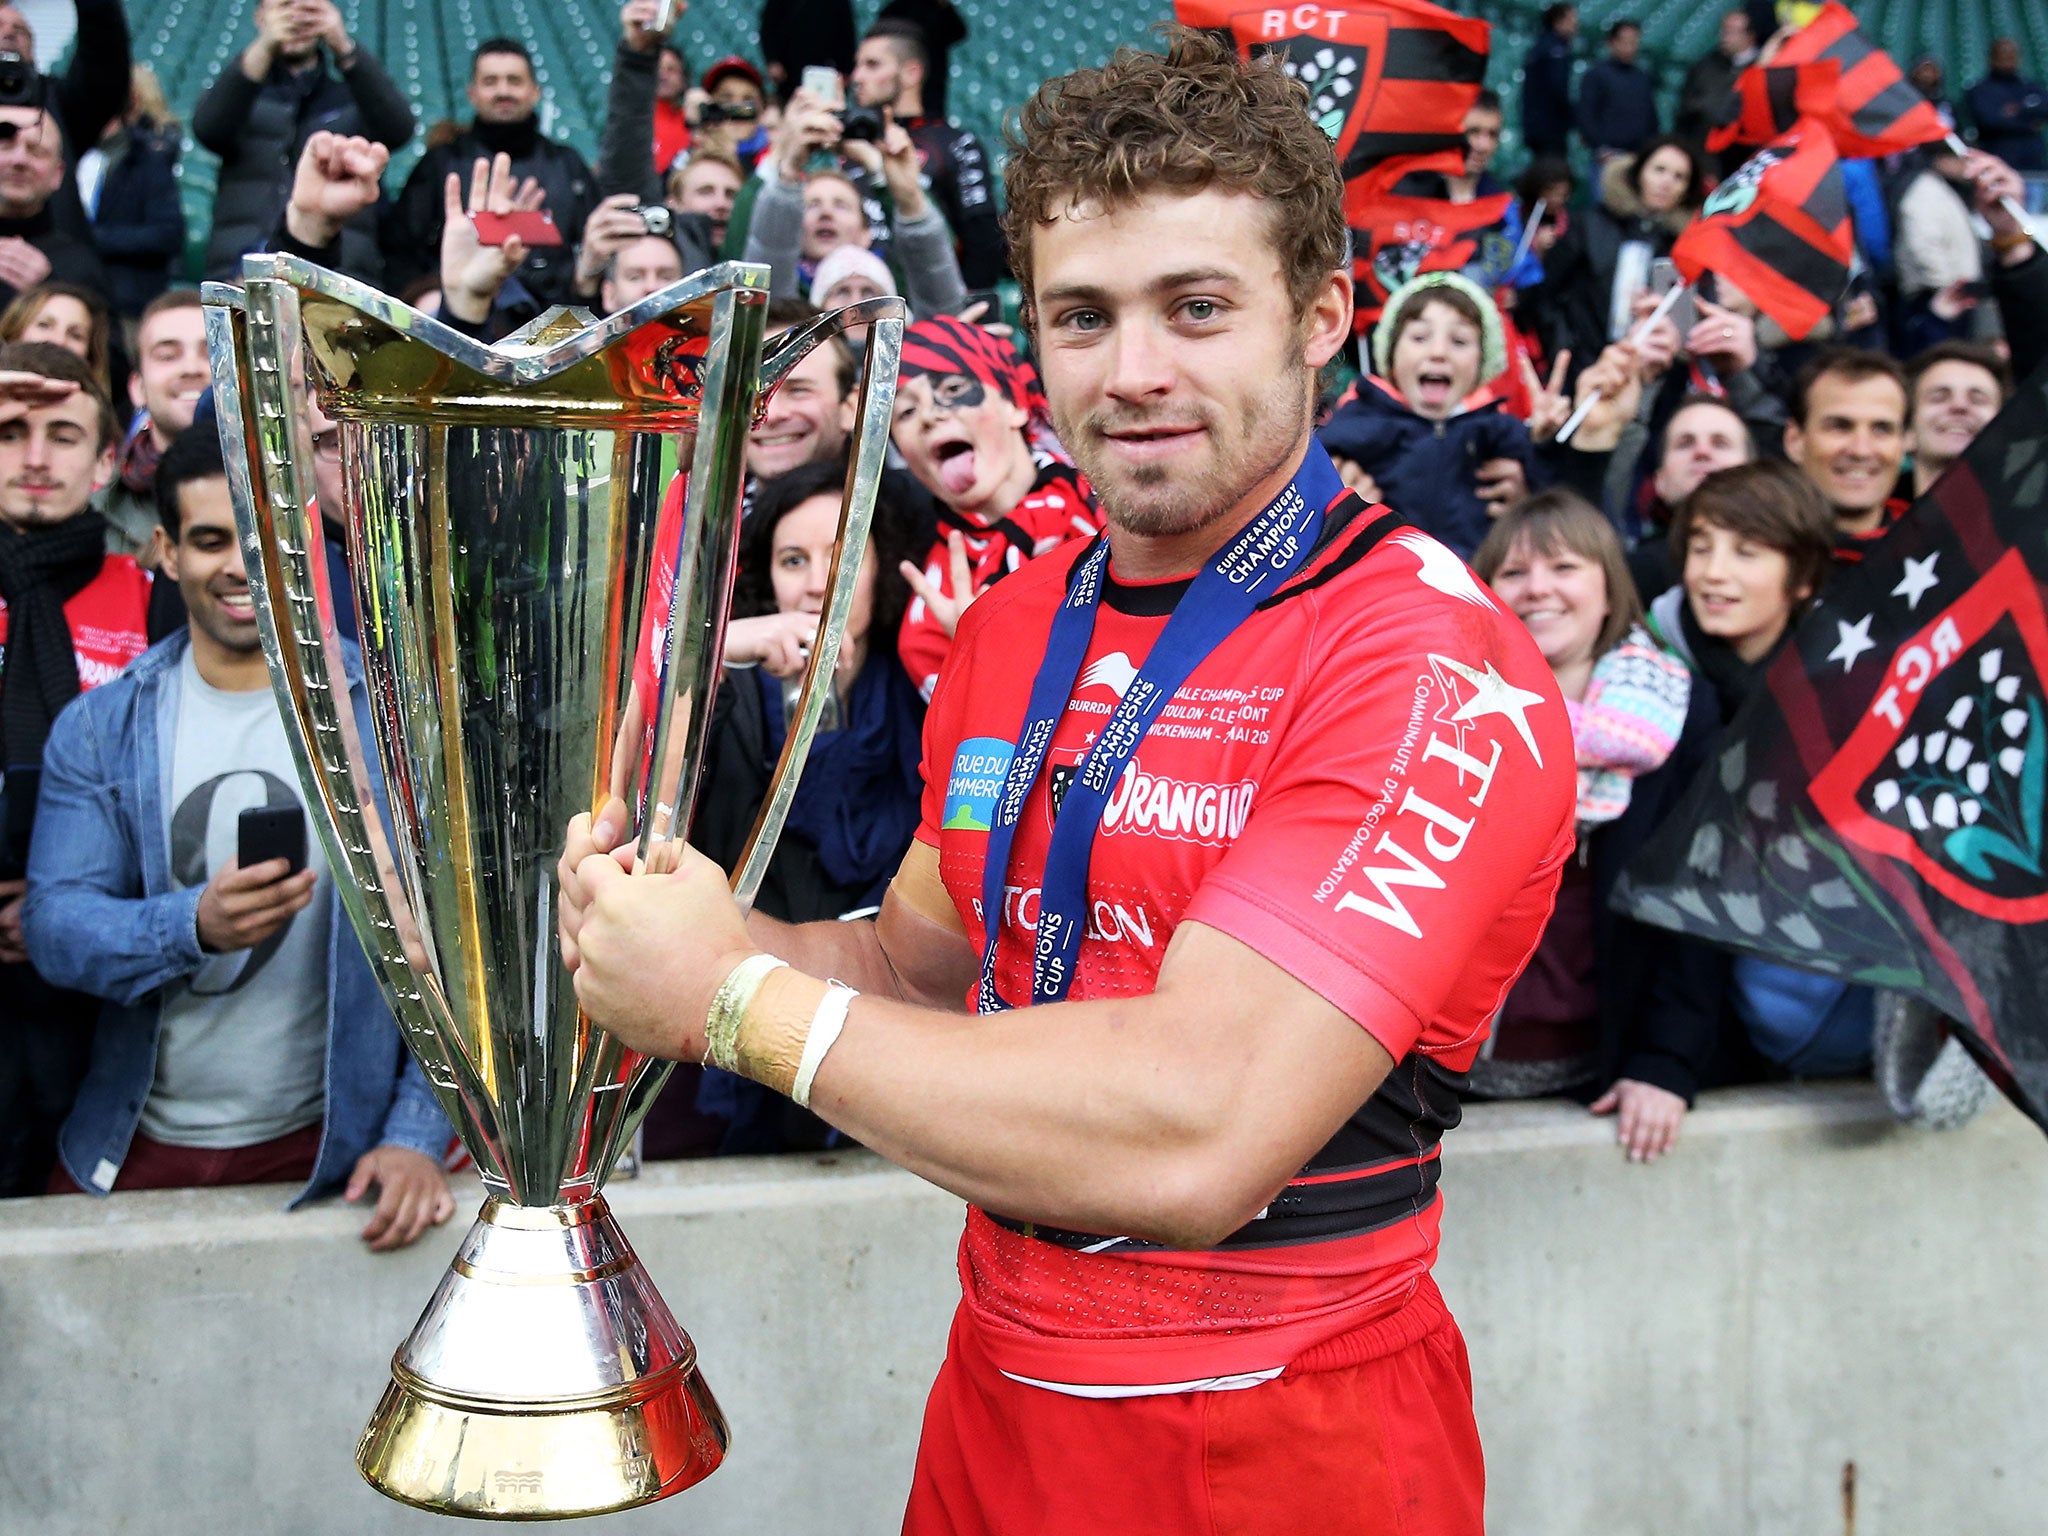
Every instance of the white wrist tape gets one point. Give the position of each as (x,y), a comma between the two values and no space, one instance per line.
(826,1024)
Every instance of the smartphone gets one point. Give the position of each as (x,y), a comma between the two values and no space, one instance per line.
(1663,278)
(535,227)
(823,82)
(271,832)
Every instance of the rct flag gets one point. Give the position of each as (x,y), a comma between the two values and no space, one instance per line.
(1878,811)
(1877,110)
(1386,78)
(1779,230)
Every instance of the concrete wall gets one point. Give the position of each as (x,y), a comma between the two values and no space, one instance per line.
(1694,1347)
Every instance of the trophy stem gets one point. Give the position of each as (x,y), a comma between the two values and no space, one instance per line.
(546,1379)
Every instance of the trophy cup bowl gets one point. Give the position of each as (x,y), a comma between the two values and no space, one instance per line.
(502,507)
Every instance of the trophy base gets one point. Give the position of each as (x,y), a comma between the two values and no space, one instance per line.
(546,1379)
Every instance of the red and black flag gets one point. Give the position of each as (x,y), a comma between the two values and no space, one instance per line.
(1385,78)
(1768,99)
(1877,111)
(1778,229)
(1394,237)
(1878,810)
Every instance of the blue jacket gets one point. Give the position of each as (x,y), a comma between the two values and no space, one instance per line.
(2009,113)
(1547,95)
(1427,470)
(103,917)
(1617,106)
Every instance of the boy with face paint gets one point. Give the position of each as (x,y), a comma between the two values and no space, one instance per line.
(969,419)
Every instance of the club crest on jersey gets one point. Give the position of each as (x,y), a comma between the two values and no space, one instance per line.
(1948,766)
(980,765)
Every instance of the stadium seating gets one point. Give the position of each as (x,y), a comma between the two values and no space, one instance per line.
(428,43)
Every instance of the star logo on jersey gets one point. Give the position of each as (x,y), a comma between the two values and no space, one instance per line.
(1114,672)
(1443,570)
(1492,694)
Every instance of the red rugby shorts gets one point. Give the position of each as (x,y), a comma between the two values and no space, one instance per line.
(1369,1433)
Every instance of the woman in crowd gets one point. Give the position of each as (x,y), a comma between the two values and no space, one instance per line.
(1411,438)
(1602,261)
(1754,542)
(856,807)
(1617,1013)
(67,315)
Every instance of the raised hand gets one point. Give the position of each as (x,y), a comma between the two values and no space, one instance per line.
(338,177)
(1549,406)
(472,273)
(946,610)
(1615,385)
(1722,337)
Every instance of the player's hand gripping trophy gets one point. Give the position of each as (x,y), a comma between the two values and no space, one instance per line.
(501,505)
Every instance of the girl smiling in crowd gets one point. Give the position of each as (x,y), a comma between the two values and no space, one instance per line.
(1623,1015)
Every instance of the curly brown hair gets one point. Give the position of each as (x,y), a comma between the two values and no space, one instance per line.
(1194,117)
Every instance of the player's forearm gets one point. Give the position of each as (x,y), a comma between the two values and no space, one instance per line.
(1079,1115)
(903,955)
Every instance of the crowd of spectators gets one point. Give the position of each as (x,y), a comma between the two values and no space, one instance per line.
(168,1017)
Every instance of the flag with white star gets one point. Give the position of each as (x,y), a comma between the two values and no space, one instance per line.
(1876,811)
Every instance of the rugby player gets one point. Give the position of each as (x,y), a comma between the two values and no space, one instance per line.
(1238,824)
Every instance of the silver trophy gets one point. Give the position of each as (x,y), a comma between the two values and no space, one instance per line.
(502,510)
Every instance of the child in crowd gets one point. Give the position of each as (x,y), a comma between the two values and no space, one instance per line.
(1754,543)
(971,424)
(1412,438)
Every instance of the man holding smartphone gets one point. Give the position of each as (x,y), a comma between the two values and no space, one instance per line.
(243,1037)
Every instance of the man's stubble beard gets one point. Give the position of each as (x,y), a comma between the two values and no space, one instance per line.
(1145,500)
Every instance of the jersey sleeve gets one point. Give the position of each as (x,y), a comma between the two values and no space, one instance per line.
(1402,855)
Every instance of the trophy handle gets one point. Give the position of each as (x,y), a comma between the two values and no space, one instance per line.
(866,455)
(252,340)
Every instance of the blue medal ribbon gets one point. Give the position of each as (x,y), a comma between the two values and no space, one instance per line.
(1264,554)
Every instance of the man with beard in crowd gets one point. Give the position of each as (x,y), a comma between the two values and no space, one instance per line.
(506,99)
(889,71)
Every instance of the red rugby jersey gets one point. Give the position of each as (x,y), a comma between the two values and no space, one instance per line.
(1371,783)
(108,619)
(1057,509)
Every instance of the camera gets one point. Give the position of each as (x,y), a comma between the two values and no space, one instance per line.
(657,220)
(862,124)
(20,84)
(714,112)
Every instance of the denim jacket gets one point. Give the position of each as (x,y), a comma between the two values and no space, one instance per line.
(103,917)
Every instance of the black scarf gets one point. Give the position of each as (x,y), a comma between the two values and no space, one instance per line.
(515,139)
(1732,679)
(40,571)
